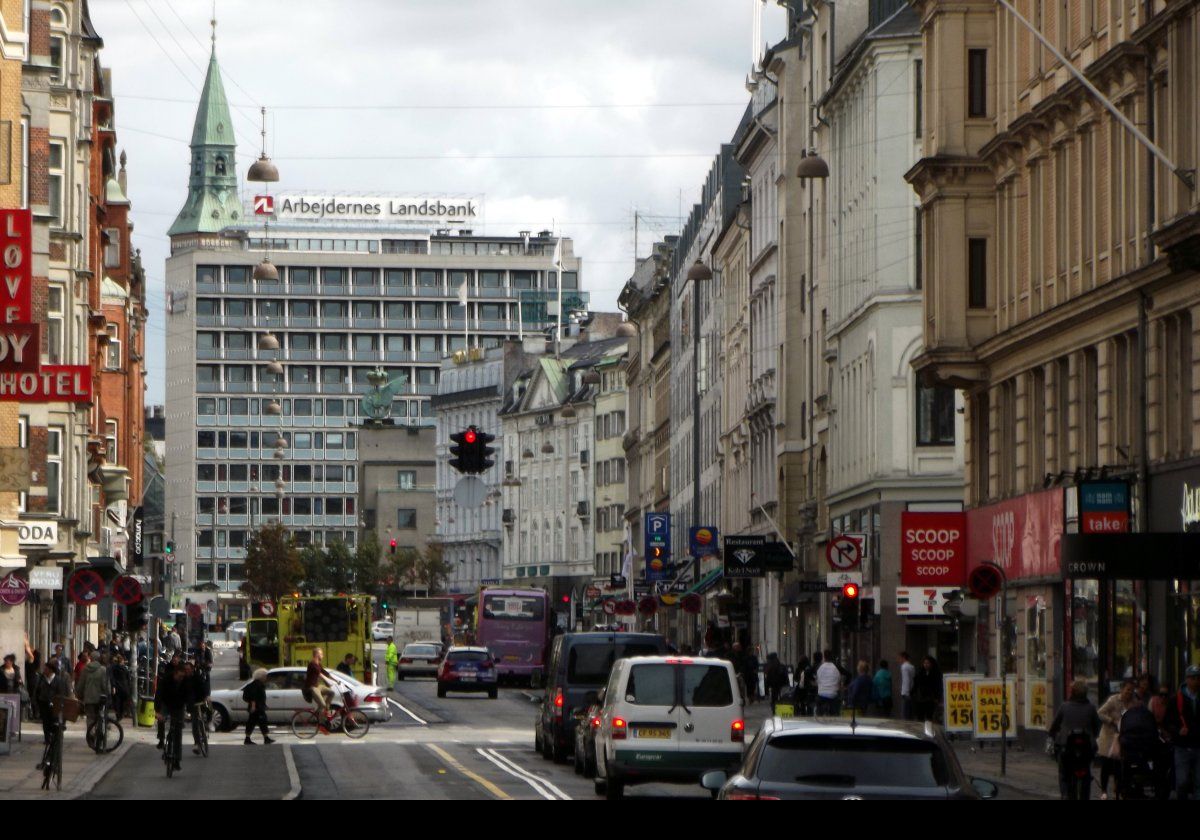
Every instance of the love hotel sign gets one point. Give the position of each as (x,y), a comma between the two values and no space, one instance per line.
(22,376)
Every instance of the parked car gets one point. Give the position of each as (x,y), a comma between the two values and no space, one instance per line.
(381,631)
(580,663)
(467,669)
(419,659)
(830,759)
(668,719)
(587,722)
(285,698)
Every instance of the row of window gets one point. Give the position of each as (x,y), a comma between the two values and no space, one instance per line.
(394,278)
(610,425)
(361,310)
(270,472)
(610,471)
(254,506)
(242,408)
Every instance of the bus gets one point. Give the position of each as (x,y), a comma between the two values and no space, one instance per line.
(284,633)
(515,625)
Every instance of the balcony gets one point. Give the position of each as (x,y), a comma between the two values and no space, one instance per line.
(430,324)
(239,288)
(330,290)
(335,388)
(207,287)
(428,356)
(398,355)
(431,291)
(239,321)
(267,288)
(303,388)
(398,323)
(335,355)
(240,354)
(398,291)
(338,322)
(300,355)
(366,291)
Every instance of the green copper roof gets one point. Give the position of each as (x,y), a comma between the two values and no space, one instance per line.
(555,372)
(213,127)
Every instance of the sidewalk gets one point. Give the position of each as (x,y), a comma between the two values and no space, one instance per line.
(82,768)
(1031,772)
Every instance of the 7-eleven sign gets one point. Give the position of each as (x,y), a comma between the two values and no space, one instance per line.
(264,205)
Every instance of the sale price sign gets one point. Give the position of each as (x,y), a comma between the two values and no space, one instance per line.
(993,713)
(959,694)
(1037,704)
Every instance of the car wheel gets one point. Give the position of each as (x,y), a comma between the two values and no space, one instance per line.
(441,691)
(578,765)
(547,749)
(600,786)
(589,767)
(537,738)
(220,720)
(613,788)
(559,753)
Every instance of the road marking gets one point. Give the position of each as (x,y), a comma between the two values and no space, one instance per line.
(475,777)
(407,712)
(544,787)
(293,775)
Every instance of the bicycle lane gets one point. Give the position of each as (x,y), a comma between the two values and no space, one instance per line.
(82,768)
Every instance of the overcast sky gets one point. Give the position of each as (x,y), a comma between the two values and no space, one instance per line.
(350,82)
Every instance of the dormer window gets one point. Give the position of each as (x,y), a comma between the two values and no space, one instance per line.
(198,166)
(220,165)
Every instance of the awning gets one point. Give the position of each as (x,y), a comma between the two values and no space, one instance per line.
(707,582)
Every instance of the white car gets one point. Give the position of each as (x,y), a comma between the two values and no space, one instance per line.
(419,659)
(381,631)
(235,631)
(285,698)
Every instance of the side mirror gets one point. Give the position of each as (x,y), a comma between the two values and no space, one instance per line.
(713,780)
(986,789)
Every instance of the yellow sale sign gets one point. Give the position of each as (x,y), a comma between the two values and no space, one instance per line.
(1037,704)
(959,694)
(993,710)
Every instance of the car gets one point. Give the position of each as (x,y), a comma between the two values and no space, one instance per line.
(587,722)
(579,664)
(668,719)
(815,758)
(285,698)
(467,669)
(235,631)
(381,631)
(419,659)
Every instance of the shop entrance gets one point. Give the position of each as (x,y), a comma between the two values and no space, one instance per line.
(933,639)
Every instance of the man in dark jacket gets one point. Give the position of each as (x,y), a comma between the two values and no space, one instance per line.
(255,695)
(1182,723)
(1078,714)
(51,685)
(170,702)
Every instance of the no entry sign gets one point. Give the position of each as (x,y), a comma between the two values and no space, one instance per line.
(127,590)
(85,587)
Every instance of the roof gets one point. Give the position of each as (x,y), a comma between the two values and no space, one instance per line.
(886,727)
(213,126)
(113,194)
(110,288)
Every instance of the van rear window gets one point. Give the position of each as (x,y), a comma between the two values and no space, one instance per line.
(651,685)
(706,685)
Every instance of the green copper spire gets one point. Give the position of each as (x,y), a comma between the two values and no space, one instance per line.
(212,203)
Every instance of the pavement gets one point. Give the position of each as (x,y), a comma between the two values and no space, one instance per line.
(82,768)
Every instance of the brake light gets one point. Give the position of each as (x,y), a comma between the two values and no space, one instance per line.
(618,728)
(679,662)
(558,702)
(374,698)
(404,660)
(595,723)
(737,731)
(747,795)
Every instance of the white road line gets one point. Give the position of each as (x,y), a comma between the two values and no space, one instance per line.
(407,712)
(544,787)
(293,775)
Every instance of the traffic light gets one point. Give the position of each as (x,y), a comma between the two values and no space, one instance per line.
(392,547)
(459,451)
(848,606)
(135,616)
(470,453)
(866,613)
(484,460)
(169,548)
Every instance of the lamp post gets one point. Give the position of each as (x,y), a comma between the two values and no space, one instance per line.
(697,273)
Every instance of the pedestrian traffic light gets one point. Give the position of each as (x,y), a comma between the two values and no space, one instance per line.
(866,613)
(135,616)
(848,606)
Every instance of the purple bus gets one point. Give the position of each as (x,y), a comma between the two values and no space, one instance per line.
(514,624)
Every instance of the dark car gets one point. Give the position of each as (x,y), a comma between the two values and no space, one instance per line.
(579,663)
(587,722)
(467,669)
(831,759)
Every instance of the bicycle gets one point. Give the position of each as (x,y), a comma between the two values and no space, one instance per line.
(307,723)
(105,733)
(51,765)
(200,728)
(174,736)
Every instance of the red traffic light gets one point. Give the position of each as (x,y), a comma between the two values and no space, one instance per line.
(850,590)
(393,544)
(469,436)
(566,599)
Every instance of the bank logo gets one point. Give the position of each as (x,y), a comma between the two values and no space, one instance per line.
(264,205)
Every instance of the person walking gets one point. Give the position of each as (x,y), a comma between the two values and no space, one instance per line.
(801,705)
(1182,723)
(829,687)
(51,687)
(750,674)
(927,690)
(881,690)
(255,695)
(81,662)
(1110,746)
(1078,714)
(33,672)
(92,687)
(908,673)
(858,695)
(392,660)
(776,679)
(119,680)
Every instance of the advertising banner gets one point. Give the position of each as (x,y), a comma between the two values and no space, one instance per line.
(992,716)
(933,548)
(959,694)
(1022,535)
(1037,704)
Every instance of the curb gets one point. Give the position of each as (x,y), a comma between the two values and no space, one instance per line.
(86,781)
(295,791)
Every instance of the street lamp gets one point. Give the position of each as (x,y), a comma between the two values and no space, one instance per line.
(812,165)
(698,273)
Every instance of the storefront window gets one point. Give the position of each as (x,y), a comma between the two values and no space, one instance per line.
(1125,630)
(1085,614)
(1036,637)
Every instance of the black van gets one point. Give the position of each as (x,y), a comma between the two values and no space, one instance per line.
(578,666)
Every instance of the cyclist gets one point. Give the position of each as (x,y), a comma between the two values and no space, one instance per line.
(170,701)
(1076,717)
(197,685)
(316,684)
(164,675)
(51,686)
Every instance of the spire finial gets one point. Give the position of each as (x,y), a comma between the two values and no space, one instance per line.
(213,22)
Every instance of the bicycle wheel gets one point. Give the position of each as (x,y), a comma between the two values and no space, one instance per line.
(200,735)
(58,753)
(355,723)
(109,735)
(305,724)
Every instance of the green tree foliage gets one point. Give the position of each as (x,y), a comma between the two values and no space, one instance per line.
(272,568)
(432,570)
(367,565)
(316,572)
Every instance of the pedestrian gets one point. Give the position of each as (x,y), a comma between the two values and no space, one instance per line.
(346,666)
(119,679)
(52,687)
(61,663)
(776,679)
(829,687)
(858,695)
(750,675)
(11,681)
(1109,750)
(165,674)
(908,673)
(255,695)
(881,690)
(800,704)
(174,640)
(170,702)
(80,663)
(92,687)
(927,690)
(392,660)
(33,672)
(1183,725)
(1078,714)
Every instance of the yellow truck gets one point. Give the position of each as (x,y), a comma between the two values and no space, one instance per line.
(284,633)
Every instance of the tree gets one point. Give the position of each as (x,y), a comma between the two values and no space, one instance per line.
(316,570)
(432,570)
(339,567)
(272,568)
(368,569)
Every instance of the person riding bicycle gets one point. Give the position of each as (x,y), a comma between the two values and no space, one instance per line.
(171,701)
(197,686)
(317,683)
(1076,716)
(164,675)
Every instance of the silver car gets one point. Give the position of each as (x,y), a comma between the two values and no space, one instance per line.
(285,698)
(419,659)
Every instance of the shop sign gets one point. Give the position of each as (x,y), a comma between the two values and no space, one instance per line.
(933,548)
(1190,511)
(46,577)
(1104,507)
(13,590)
(916,600)
(1174,556)
(993,711)
(959,693)
(1022,535)
(1037,704)
(743,556)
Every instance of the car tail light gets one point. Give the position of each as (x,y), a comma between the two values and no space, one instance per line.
(679,661)
(404,660)
(746,794)
(373,698)
(618,728)
(595,723)
(737,731)
(558,702)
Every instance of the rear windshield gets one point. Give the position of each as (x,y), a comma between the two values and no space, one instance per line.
(420,650)
(651,685)
(706,685)
(853,761)
(591,663)
(514,607)
(468,656)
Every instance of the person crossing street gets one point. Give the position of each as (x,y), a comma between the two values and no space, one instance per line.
(392,660)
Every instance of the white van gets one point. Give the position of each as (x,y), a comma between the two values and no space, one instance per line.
(668,719)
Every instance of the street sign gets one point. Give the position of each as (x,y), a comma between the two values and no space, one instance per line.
(266,609)
(13,590)
(610,607)
(469,492)
(836,580)
(160,608)
(916,600)
(127,590)
(702,541)
(845,552)
(985,582)
(137,530)
(46,577)
(85,587)
(658,545)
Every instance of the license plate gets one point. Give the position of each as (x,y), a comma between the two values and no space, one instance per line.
(652,732)
(510,659)
(468,677)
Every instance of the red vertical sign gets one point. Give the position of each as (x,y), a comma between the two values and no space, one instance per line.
(16,245)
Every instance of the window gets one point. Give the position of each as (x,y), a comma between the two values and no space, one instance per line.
(395,278)
(301,277)
(706,685)
(365,277)
(651,685)
(406,518)
(489,279)
(406,479)
(58,50)
(112,247)
(918,96)
(366,310)
(333,277)
(428,311)
(976,83)
(427,279)
(333,342)
(365,344)
(237,274)
(110,441)
(831,761)
(206,407)
(54,325)
(56,178)
(237,341)
(237,308)
(977,273)
(270,309)
(112,355)
(219,165)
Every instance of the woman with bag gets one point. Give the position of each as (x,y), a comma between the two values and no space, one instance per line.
(1110,746)
(11,681)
